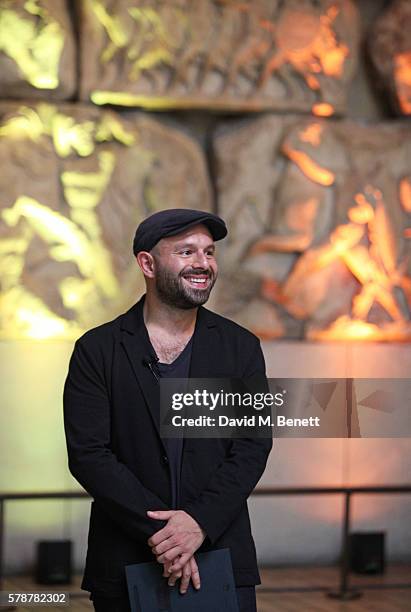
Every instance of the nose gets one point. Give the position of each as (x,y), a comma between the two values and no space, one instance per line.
(200,260)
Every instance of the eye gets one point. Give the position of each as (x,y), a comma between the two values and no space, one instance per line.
(186,252)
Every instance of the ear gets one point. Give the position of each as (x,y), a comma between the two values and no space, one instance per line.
(146,263)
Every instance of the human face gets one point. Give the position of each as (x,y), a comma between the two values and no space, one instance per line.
(185,268)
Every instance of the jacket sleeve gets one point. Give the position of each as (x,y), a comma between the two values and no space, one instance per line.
(91,461)
(232,483)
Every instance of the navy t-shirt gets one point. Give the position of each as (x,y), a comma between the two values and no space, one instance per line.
(180,368)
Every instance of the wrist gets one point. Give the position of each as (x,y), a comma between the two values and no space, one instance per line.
(199,527)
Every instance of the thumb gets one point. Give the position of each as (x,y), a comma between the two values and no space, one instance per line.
(160,514)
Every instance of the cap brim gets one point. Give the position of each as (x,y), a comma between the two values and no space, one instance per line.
(217,230)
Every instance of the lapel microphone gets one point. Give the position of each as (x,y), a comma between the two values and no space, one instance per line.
(150,361)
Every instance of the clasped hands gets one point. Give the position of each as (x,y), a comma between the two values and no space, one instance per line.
(174,546)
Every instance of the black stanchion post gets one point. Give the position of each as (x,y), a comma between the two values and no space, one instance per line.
(345,593)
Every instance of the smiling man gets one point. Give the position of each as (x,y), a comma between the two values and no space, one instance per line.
(157,498)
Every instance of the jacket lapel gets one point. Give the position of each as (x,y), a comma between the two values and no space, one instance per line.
(206,346)
(205,360)
(139,351)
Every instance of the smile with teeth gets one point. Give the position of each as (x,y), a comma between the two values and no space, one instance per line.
(198,281)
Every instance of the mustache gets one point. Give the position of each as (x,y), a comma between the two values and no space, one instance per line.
(196,272)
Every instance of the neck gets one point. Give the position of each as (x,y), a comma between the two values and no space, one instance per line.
(160,316)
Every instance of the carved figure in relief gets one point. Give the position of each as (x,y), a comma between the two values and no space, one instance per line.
(219,46)
(143,35)
(34,45)
(75,237)
(366,242)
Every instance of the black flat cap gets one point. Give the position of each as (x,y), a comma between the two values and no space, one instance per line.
(173,221)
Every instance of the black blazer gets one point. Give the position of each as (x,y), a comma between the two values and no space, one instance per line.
(111,404)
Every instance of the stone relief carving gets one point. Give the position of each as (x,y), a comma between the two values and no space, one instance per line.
(320,228)
(390,53)
(75,183)
(219,53)
(37,50)
(319,212)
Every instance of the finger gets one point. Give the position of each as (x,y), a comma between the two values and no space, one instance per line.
(174,577)
(170,555)
(180,563)
(166,570)
(168,573)
(162,515)
(164,546)
(160,535)
(195,574)
(185,579)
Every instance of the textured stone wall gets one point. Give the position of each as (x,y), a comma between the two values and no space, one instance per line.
(221,54)
(320,222)
(319,209)
(75,183)
(37,50)
(390,53)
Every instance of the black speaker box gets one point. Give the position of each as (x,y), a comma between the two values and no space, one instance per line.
(367,552)
(54,562)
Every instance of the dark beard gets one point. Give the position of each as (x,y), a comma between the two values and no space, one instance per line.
(173,292)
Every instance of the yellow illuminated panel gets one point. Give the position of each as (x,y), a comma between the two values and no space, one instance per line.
(34,45)
(121,98)
(148,42)
(73,237)
(112,25)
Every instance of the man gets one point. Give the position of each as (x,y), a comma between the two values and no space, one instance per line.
(156,498)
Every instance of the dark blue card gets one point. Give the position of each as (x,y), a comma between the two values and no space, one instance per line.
(149,592)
